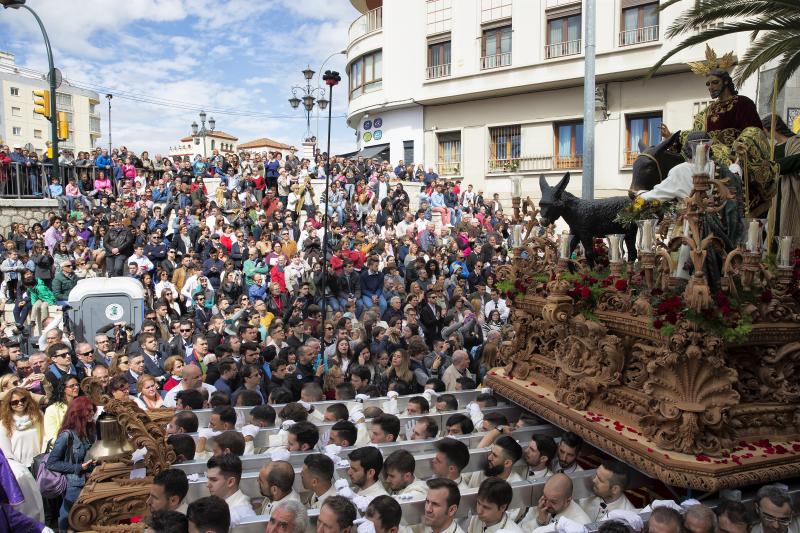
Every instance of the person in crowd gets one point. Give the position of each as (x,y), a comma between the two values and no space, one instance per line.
(210,514)
(494,497)
(608,487)
(168,491)
(64,393)
(337,515)
(288,516)
(224,474)
(276,482)
(364,472)
(450,460)
(664,520)
(568,451)
(317,478)
(21,426)
(398,475)
(555,502)
(775,511)
(441,505)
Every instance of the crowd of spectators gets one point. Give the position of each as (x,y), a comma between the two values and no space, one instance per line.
(234,294)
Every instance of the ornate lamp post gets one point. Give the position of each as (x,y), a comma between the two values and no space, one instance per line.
(201,131)
(308,96)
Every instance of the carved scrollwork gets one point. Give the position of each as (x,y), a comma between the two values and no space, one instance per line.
(558,305)
(108,503)
(588,360)
(691,391)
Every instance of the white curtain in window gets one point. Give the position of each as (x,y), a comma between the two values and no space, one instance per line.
(574,25)
(564,141)
(637,133)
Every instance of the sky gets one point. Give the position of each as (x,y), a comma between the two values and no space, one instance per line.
(242,55)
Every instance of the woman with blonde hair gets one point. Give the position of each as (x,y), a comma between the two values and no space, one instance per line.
(119,363)
(399,372)
(334,376)
(148,397)
(21,426)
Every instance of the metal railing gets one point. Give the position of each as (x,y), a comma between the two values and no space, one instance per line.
(638,35)
(438,71)
(496,61)
(448,168)
(367,23)
(630,157)
(567,161)
(564,48)
(521,164)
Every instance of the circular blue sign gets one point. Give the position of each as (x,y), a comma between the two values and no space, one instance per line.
(377,135)
(367,124)
(378,122)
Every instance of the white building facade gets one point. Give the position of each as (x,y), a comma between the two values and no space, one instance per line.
(19,125)
(482,89)
(191,146)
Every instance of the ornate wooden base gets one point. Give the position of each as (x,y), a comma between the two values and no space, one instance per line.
(749,463)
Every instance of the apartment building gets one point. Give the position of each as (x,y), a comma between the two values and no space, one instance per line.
(483,89)
(20,125)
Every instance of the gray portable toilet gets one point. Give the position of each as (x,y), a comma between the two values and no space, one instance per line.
(98,302)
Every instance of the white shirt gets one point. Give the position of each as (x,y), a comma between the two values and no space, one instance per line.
(500,305)
(268,505)
(169,399)
(477,478)
(239,506)
(452,528)
(538,475)
(571,470)
(373,491)
(415,489)
(476,525)
(597,513)
(573,512)
(315,502)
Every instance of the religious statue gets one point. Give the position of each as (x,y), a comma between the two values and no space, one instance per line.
(733,124)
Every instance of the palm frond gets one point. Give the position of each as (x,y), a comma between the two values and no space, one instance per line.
(771,46)
(711,33)
(787,69)
(720,10)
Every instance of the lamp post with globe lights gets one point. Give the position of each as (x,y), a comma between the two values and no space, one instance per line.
(201,131)
(308,96)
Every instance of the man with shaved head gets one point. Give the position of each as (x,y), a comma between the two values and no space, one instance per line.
(556,501)
(457,370)
(192,378)
(276,483)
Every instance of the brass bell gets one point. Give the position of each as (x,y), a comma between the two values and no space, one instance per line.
(112,440)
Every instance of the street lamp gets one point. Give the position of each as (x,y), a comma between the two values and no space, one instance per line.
(331,79)
(308,96)
(16,4)
(200,131)
(109,96)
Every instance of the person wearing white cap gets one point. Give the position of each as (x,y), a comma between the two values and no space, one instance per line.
(608,485)
(491,516)
(556,502)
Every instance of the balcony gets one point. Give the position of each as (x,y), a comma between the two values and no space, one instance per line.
(438,71)
(496,61)
(367,23)
(521,164)
(638,35)
(566,161)
(565,48)
(448,168)
(630,157)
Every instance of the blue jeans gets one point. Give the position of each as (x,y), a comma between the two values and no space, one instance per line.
(339,213)
(332,303)
(366,302)
(70,497)
(359,305)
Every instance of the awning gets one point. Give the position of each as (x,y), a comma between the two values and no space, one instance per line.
(374,150)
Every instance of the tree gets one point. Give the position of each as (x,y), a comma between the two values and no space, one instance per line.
(774,26)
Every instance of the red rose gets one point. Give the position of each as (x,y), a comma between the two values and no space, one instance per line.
(658,323)
(621,285)
(585,292)
(671,317)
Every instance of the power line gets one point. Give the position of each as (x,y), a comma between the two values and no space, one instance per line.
(156,101)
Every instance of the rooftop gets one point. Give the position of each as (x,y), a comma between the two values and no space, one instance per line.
(217,134)
(264,141)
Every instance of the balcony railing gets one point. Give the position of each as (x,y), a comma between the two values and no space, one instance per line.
(638,35)
(567,161)
(448,168)
(521,164)
(496,61)
(438,71)
(367,23)
(630,157)
(565,48)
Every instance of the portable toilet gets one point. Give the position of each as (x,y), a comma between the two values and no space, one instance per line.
(98,302)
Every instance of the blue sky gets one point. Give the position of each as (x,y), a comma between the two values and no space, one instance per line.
(224,54)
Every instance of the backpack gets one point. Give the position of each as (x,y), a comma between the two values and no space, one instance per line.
(51,484)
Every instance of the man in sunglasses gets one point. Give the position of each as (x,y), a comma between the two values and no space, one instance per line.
(775,512)
(62,363)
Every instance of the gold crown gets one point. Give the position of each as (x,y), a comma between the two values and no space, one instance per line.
(712,62)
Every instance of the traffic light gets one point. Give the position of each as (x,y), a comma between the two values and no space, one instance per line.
(63,126)
(42,102)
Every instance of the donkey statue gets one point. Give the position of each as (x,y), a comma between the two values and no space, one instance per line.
(587,219)
(654,163)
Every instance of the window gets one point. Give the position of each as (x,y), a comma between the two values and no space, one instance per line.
(366,74)
(504,145)
(37,134)
(212,144)
(439,16)
(16,131)
(639,22)
(16,112)
(644,128)
(63,101)
(496,47)
(438,60)
(92,108)
(495,10)
(408,152)
(94,122)
(569,145)
(563,35)
(449,159)
(14,91)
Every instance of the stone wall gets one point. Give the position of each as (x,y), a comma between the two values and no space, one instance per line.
(28,211)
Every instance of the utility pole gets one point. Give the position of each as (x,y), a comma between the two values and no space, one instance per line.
(587,185)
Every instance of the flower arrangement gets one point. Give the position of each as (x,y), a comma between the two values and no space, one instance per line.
(724,319)
(641,209)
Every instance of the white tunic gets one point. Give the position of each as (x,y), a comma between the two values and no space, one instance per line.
(593,508)
(315,502)
(573,512)
(476,525)
(415,489)
(267,505)
(239,506)
(678,184)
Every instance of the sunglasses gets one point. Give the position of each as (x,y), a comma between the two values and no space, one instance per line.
(85,353)
(62,354)
(185,330)
(21,401)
